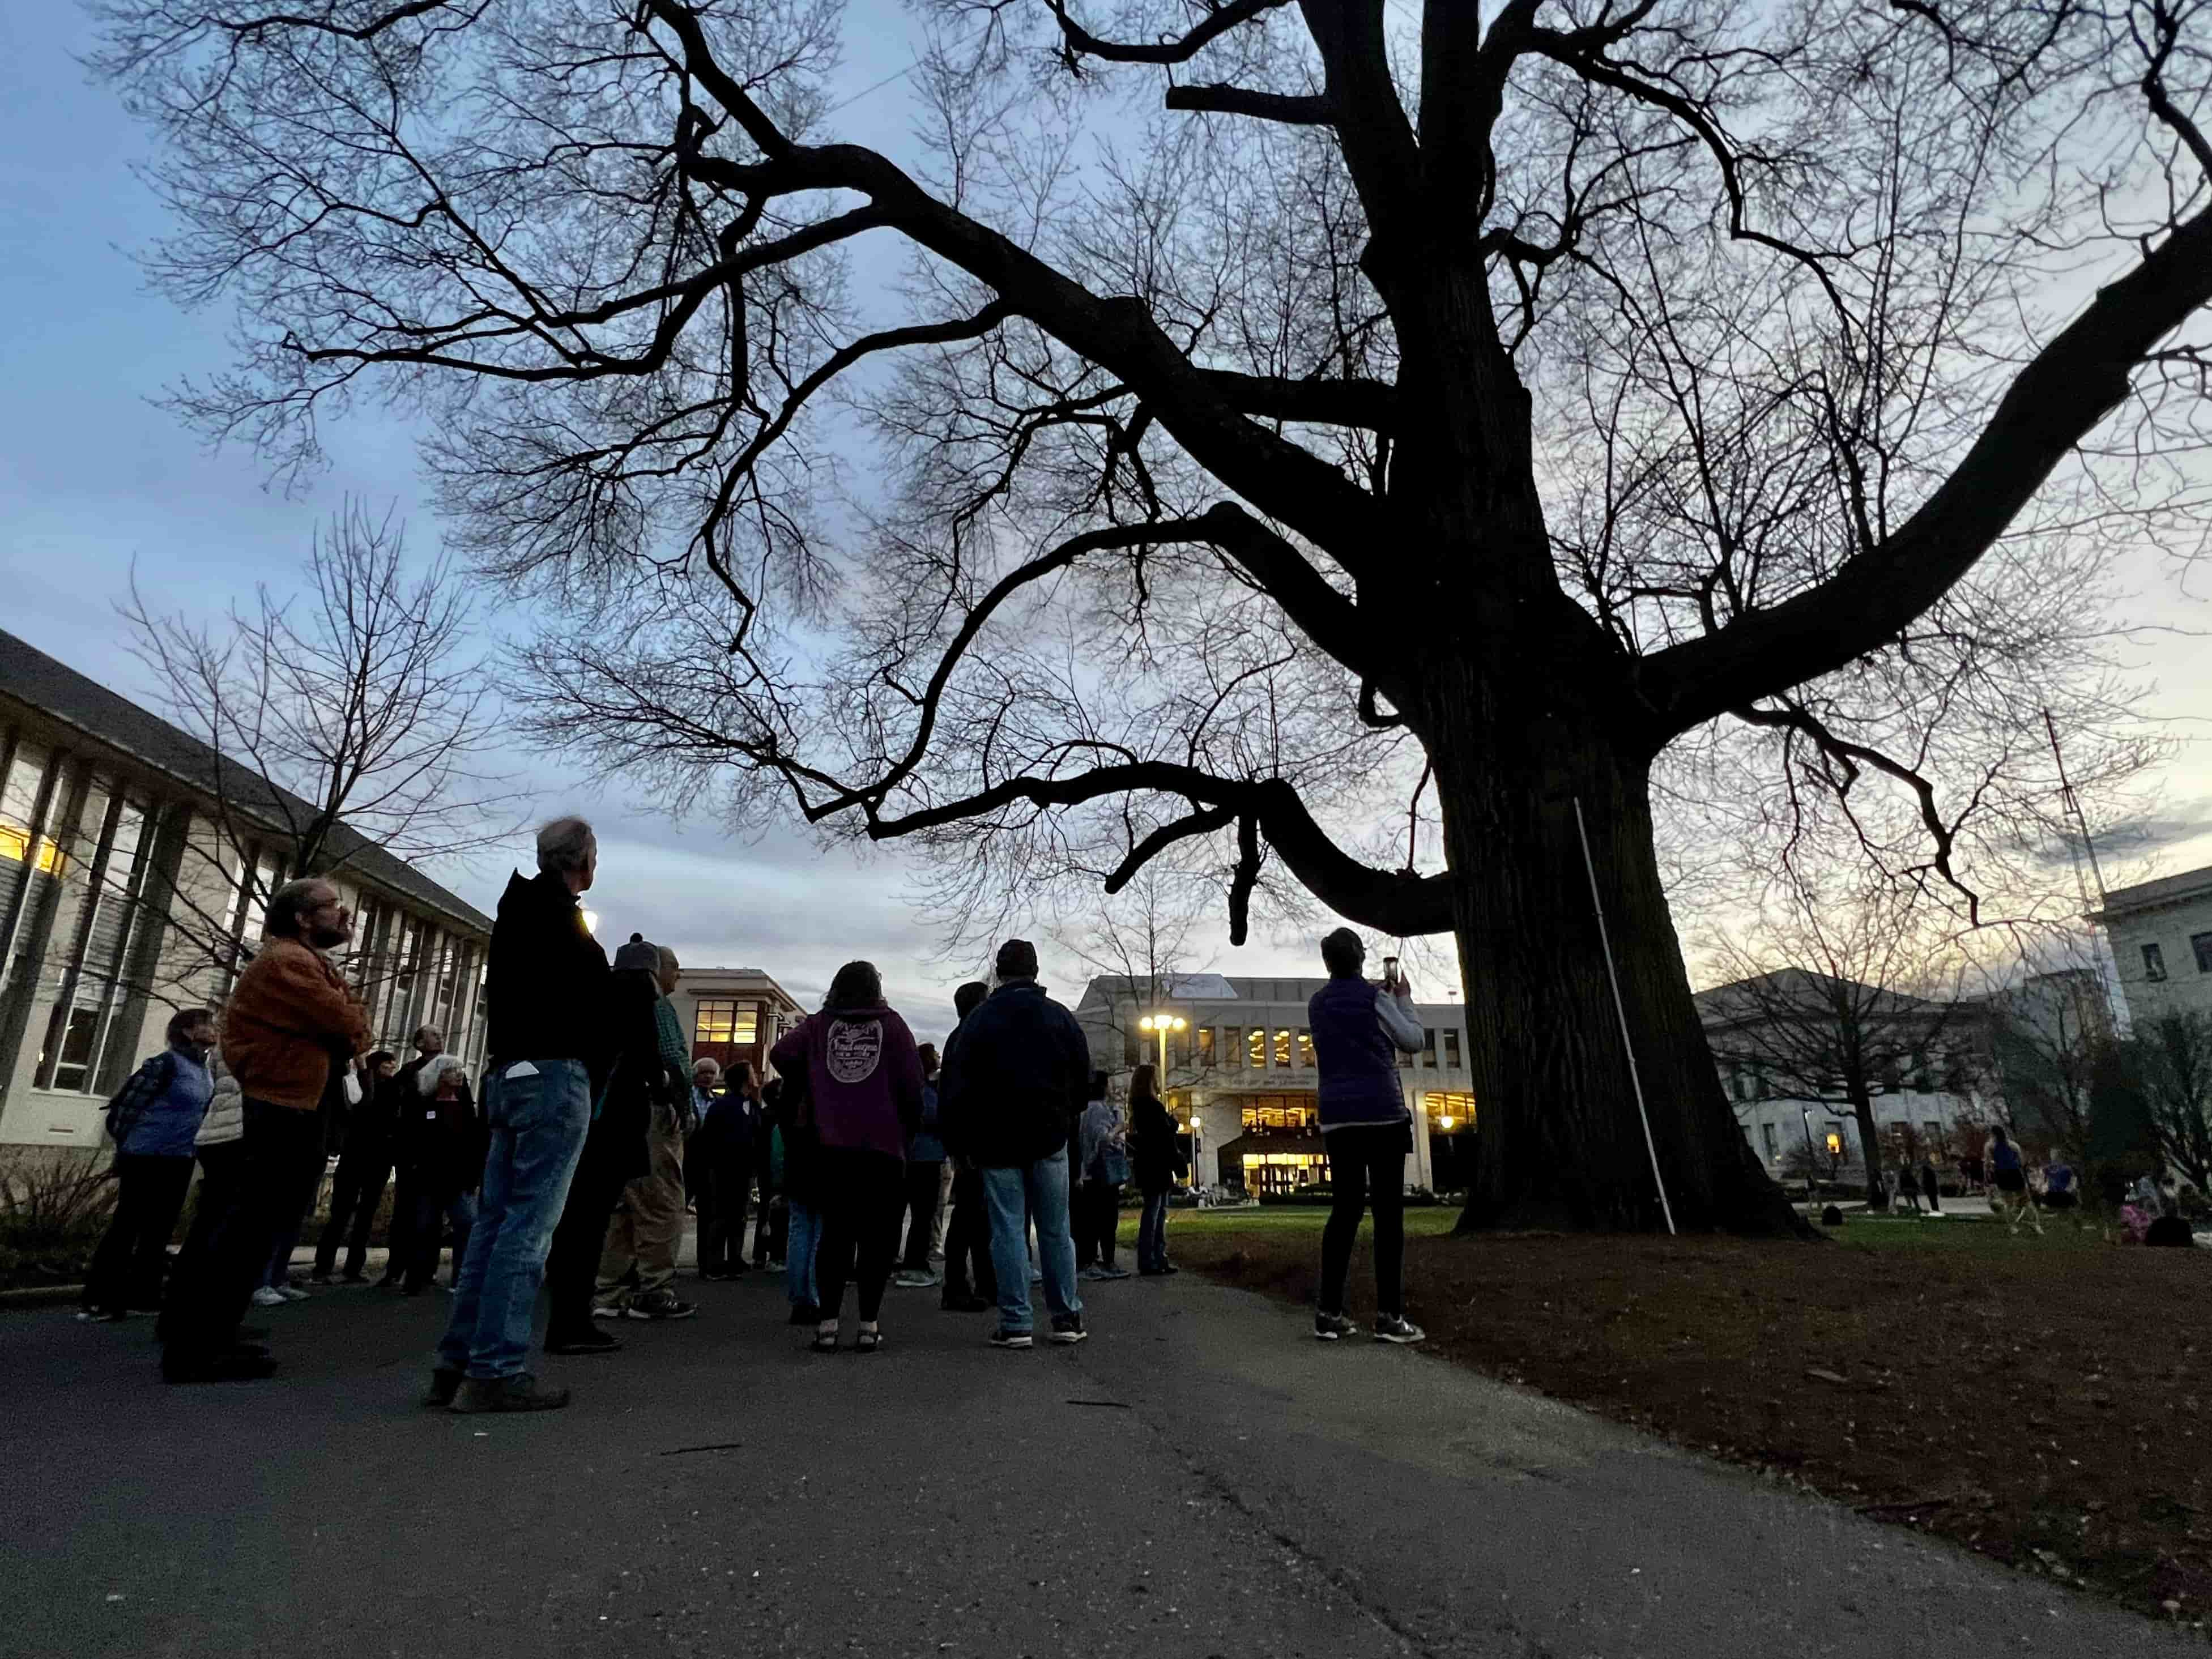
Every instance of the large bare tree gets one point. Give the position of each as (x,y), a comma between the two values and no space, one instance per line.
(1293,419)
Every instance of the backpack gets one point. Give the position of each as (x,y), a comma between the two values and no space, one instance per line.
(146,1085)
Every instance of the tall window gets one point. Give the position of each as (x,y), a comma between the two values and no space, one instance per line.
(1283,1048)
(107,924)
(1232,1047)
(1206,1046)
(2154,956)
(1255,1048)
(1451,1049)
(2201,944)
(1305,1049)
(1428,1050)
(1767,1135)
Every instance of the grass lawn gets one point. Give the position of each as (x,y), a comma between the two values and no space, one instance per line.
(2040,1400)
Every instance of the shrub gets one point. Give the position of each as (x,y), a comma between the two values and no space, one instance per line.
(54,1207)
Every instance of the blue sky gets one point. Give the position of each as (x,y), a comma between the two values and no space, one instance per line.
(94,476)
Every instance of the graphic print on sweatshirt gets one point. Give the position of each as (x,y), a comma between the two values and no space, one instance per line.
(856,1048)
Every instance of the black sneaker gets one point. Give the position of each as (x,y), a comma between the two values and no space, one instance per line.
(590,1340)
(661,1304)
(1392,1328)
(519,1392)
(1012,1340)
(1331,1327)
(445,1383)
(968,1304)
(1067,1330)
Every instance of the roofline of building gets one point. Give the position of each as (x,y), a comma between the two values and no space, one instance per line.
(439,898)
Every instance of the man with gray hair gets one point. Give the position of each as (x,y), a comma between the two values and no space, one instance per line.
(545,992)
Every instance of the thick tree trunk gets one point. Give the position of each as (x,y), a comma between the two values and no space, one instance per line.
(1560,1141)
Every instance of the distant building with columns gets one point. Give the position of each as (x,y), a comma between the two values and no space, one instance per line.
(1242,1067)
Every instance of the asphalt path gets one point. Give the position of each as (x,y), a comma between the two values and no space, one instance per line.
(1201,1478)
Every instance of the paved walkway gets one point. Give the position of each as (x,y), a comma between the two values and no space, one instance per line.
(1200,1479)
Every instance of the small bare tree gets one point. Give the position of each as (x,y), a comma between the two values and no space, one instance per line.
(1834,998)
(1143,942)
(2051,1043)
(2174,1055)
(357,715)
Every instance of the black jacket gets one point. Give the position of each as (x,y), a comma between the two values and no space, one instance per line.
(440,1144)
(1156,1155)
(1014,1074)
(637,1078)
(545,988)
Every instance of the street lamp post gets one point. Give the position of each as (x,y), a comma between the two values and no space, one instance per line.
(1196,1152)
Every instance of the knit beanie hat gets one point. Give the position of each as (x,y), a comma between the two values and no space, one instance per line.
(638,954)
(1017,959)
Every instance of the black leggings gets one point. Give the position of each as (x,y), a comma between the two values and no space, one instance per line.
(126,1269)
(859,1194)
(1367,1165)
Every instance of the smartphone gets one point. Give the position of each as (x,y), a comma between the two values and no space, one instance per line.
(1390,972)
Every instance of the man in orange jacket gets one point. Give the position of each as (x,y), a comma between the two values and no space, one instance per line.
(290,1029)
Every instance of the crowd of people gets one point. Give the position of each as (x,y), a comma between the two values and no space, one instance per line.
(875,1156)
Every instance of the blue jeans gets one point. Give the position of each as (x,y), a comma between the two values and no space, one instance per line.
(537,1127)
(1152,1234)
(802,1232)
(1041,1189)
(433,1209)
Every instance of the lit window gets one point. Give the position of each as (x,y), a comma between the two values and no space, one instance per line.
(1205,1045)
(1449,1111)
(1283,1050)
(722,1022)
(1232,1046)
(1257,1048)
(1305,1049)
(2154,956)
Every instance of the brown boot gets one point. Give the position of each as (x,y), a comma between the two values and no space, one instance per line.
(519,1392)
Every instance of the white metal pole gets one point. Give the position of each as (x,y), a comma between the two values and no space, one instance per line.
(1620,1009)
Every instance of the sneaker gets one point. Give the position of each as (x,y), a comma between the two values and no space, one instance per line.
(1112,1272)
(1093,1274)
(591,1340)
(911,1279)
(1391,1327)
(1067,1330)
(1331,1327)
(291,1293)
(519,1392)
(319,1278)
(966,1304)
(609,1310)
(661,1304)
(1012,1339)
(1036,1275)
(445,1383)
(268,1297)
(776,1264)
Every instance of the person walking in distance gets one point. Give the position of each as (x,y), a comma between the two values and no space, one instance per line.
(648,1222)
(2008,1176)
(1930,1188)
(429,1042)
(1020,1075)
(290,1030)
(1156,1160)
(442,1140)
(545,996)
(1358,1032)
(153,1120)
(925,1163)
(863,1080)
(618,1150)
(971,1284)
(364,1167)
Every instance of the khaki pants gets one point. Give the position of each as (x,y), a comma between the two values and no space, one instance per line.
(648,1223)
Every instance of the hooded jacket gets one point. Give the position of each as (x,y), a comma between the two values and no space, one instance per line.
(1017,1074)
(864,1078)
(546,983)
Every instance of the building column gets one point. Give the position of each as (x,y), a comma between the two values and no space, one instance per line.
(1424,1168)
(36,905)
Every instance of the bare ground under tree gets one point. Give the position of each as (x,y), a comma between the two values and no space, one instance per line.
(2041,1402)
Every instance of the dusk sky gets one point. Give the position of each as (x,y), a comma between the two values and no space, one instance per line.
(93,477)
